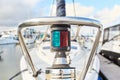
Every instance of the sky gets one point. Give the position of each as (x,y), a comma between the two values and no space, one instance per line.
(13,12)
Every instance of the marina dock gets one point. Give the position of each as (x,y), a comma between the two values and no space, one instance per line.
(110,70)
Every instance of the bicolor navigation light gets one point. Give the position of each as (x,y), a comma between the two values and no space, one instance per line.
(60,38)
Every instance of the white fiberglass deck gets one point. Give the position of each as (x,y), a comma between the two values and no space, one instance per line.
(42,58)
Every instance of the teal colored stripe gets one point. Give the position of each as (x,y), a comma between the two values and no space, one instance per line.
(56,38)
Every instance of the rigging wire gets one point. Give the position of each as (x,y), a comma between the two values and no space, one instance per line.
(18,74)
(74,7)
(52,5)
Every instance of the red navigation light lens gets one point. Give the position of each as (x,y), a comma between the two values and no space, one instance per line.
(63,38)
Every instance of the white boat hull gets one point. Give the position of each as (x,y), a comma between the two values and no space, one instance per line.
(91,75)
(43,57)
(8,41)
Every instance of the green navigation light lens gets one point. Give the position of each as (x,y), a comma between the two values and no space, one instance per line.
(56,38)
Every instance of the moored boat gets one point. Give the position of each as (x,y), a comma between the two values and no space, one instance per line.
(63,53)
(111,43)
(8,39)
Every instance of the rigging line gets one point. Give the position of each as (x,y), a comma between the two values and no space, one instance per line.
(18,74)
(53,1)
(74,7)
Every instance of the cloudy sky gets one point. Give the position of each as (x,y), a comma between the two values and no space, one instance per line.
(13,12)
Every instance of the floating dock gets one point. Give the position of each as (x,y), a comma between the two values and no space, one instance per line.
(110,70)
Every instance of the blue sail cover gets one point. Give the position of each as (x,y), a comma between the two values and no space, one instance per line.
(61,11)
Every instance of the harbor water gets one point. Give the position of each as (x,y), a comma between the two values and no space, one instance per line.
(10,61)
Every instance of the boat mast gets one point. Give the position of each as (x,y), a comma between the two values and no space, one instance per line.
(60,10)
